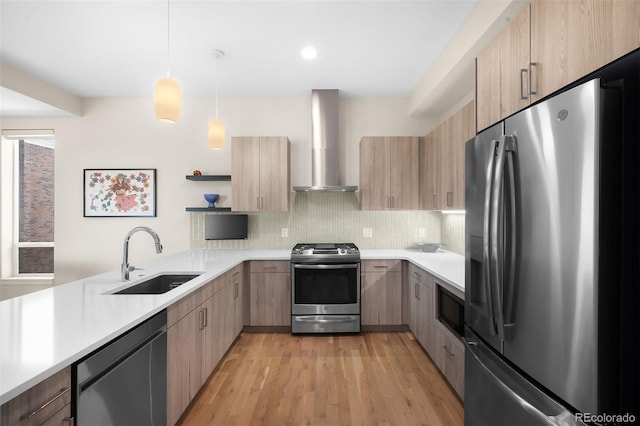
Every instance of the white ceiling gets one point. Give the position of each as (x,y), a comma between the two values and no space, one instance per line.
(108,48)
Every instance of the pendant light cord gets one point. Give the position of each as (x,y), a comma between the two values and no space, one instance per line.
(168,36)
(217,59)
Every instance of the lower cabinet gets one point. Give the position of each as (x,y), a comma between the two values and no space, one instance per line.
(381,292)
(421,306)
(47,403)
(450,358)
(237,284)
(270,293)
(200,329)
(183,355)
(437,340)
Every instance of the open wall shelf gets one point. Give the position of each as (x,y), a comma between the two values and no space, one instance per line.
(209,177)
(208,209)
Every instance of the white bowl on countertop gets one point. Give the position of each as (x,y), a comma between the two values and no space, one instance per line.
(429,247)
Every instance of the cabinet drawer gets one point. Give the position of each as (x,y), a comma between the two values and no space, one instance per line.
(181,308)
(420,275)
(450,358)
(270,266)
(62,417)
(236,274)
(381,266)
(204,292)
(36,405)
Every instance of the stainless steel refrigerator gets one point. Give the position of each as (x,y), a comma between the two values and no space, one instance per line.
(549,228)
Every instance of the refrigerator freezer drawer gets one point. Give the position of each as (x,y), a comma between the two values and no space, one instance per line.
(497,395)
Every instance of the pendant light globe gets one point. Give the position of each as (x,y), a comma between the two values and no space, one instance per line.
(167,100)
(216,134)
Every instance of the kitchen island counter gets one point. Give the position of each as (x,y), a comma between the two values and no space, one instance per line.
(45,331)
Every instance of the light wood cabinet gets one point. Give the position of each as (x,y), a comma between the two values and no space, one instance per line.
(237,284)
(47,403)
(270,293)
(422,310)
(183,355)
(570,39)
(260,173)
(442,157)
(201,327)
(450,357)
(430,170)
(502,86)
(381,292)
(389,173)
(551,44)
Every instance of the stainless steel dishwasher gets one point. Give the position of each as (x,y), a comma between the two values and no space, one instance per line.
(125,382)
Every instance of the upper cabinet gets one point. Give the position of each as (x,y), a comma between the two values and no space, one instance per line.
(442,159)
(260,172)
(502,82)
(551,44)
(570,39)
(389,173)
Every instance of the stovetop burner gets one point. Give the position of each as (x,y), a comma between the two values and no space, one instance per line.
(316,251)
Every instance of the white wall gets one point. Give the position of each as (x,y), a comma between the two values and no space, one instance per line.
(122,133)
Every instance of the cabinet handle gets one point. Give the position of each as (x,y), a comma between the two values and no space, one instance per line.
(200,319)
(46,404)
(258,203)
(532,78)
(449,354)
(69,420)
(380,266)
(417,291)
(523,72)
(236,291)
(449,199)
(235,274)
(206,317)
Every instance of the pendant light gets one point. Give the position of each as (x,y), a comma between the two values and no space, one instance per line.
(216,133)
(168,96)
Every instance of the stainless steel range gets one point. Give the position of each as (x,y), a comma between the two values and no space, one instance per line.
(325,288)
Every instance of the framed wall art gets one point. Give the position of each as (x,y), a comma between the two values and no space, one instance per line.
(119,192)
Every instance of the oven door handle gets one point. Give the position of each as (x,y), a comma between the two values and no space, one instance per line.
(327,266)
(315,319)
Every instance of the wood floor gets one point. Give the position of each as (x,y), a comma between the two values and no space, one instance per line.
(369,379)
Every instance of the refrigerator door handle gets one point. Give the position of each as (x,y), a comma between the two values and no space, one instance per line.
(531,400)
(495,247)
(486,238)
(512,237)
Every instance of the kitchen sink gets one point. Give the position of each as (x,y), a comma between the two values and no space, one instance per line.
(159,284)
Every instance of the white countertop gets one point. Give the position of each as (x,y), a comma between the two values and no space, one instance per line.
(44,331)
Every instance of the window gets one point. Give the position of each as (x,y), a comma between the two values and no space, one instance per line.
(27,204)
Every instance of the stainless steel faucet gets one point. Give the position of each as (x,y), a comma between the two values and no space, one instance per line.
(125,268)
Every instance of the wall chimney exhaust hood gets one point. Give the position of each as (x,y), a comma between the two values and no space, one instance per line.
(326,169)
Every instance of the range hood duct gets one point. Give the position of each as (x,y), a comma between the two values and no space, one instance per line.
(326,170)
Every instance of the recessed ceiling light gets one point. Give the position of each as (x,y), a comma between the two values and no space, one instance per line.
(309,53)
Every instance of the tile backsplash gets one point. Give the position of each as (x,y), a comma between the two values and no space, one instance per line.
(328,217)
(453,232)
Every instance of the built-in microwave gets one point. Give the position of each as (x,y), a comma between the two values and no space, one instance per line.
(451,311)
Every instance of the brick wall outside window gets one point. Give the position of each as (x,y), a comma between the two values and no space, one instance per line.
(36,206)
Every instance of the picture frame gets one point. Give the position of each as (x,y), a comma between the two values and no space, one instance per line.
(119,192)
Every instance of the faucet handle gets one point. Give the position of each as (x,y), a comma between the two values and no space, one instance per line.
(133,268)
